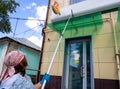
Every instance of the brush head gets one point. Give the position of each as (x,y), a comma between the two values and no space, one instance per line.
(55,8)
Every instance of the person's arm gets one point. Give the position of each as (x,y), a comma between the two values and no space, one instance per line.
(38,86)
(45,77)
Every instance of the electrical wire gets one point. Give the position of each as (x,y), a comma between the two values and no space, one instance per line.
(15,28)
(25,18)
(28,30)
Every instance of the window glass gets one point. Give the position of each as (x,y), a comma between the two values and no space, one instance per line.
(75,56)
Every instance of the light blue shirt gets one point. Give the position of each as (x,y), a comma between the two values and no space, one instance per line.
(17,81)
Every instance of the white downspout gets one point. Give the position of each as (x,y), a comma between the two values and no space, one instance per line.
(116,50)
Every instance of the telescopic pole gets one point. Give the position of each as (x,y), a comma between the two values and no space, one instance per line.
(56,50)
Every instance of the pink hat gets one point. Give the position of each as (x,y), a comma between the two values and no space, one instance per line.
(11,59)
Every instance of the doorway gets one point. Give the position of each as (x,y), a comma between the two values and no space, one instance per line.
(78,70)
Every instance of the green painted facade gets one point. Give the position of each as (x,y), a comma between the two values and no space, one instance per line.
(77,24)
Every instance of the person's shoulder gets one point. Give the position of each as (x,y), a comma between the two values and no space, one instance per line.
(23,83)
(20,80)
(28,78)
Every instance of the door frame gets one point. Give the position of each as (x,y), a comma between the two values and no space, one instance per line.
(64,84)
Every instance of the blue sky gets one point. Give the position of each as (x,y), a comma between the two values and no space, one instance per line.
(30,29)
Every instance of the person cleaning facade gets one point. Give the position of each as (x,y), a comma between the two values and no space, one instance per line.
(88,53)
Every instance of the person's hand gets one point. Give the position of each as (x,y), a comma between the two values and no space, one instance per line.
(45,77)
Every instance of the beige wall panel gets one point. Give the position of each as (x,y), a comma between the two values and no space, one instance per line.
(96,70)
(61,3)
(106,15)
(54,69)
(49,16)
(108,71)
(66,2)
(44,67)
(106,28)
(106,55)
(61,46)
(61,56)
(46,57)
(60,68)
(46,46)
(56,59)
(50,46)
(51,35)
(95,55)
(53,45)
(114,16)
(105,40)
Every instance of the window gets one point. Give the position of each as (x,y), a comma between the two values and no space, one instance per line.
(75,1)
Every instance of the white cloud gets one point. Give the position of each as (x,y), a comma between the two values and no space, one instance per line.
(30,6)
(32,24)
(33,4)
(40,14)
(36,40)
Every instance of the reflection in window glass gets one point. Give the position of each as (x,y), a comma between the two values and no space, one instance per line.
(76,52)
(75,78)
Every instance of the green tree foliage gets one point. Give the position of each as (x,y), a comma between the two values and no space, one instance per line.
(6,7)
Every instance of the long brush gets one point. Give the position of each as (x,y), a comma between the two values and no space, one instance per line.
(44,83)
